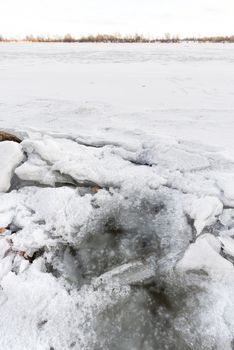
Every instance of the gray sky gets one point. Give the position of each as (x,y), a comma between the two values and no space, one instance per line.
(149,17)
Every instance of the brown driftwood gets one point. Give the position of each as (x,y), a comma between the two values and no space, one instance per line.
(5,136)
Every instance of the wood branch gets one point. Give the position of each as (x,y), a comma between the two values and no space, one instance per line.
(5,136)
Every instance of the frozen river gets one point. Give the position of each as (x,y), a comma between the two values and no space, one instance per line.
(184,90)
(117,208)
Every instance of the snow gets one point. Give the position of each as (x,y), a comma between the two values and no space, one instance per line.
(10,156)
(117,208)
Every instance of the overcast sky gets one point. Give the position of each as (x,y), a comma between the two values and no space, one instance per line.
(149,17)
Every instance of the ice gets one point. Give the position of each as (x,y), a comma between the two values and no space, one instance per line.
(227,217)
(228,244)
(117,208)
(10,156)
(203,255)
(128,274)
(205,211)
(85,165)
(173,156)
(6,266)
(226,184)
(38,170)
(204,258)
(4,247)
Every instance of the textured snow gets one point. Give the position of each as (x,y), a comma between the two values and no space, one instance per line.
(117,209)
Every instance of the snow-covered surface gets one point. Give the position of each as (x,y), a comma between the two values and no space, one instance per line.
(117,91)
(117,230)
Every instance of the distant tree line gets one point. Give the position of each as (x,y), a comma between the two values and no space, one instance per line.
(212,39)
(117,38)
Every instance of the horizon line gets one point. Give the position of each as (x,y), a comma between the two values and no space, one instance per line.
(117,38)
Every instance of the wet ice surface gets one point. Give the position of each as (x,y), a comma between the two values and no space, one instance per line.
(119,220)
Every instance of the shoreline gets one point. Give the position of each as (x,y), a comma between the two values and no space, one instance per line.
(115,39)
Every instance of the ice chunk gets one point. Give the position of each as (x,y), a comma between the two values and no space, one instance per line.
(204,255)
(37,170)
(4,247)
(8,204)
(6,265)
(227,217)
(86,165)
(128,274)
(31,239)
(204,211)
(226,184)
(227,243)
(10,156)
